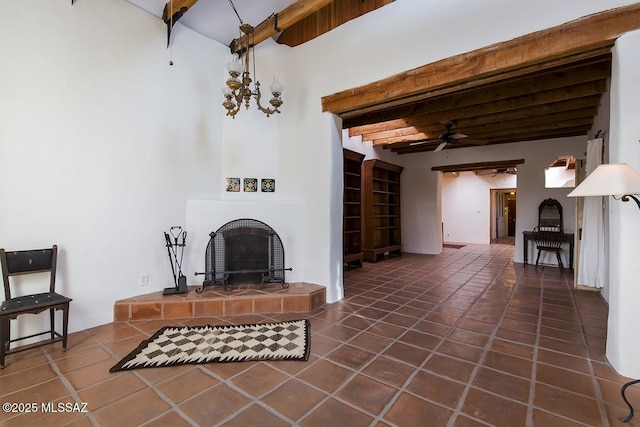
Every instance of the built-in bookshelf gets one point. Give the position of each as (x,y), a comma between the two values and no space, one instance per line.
(381,221)
(352,212)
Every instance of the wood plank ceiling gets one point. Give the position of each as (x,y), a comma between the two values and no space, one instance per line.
(540,86)
(325,19)
(298,23)
(556,102)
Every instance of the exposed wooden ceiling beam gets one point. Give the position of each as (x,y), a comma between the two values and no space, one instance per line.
(442,97)
(579,36)
(415,115)
(174,6)
(279,21)
(507,138)
(501,128)
(572,108)
(467,167)
(173,10)
(536,99)
(326,19)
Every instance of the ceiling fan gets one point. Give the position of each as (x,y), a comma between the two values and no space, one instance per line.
(448,137)
(511,170)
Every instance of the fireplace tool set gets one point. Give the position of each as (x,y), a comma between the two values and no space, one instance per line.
(175,247)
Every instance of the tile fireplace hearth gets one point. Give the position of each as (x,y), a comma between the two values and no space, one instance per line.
(242,299)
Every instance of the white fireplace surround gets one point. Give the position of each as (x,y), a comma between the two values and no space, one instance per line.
(284,216)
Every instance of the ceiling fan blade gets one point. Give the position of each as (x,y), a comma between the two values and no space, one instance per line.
(458,136)
(441,146)
(426,141)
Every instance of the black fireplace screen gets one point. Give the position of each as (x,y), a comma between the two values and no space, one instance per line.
(244,251)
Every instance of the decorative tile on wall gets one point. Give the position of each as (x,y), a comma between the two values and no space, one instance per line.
(268,185)
(250,185)
(233,184)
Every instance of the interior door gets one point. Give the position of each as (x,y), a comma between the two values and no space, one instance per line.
(511,215)
(580,173)
(500,211)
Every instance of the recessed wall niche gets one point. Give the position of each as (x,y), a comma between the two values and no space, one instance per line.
(561,173)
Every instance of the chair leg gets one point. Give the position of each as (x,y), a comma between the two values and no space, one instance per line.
(559,261)
(65,321)
(4,339)
(538,257)
(52,322)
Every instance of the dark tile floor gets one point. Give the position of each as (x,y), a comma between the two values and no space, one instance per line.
(465,338)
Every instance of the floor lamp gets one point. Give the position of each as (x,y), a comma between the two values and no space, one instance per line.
(623,183)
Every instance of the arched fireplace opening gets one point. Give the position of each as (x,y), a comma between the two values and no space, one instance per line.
(244,251)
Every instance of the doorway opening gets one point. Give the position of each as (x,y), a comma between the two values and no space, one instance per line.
(503,216)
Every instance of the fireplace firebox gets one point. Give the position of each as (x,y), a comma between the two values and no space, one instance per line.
(244,251)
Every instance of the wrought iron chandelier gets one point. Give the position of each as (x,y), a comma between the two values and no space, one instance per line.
(238,88)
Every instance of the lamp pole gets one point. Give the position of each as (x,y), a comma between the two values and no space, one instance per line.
(623,183)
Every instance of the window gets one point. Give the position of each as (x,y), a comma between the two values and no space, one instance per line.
(561,173)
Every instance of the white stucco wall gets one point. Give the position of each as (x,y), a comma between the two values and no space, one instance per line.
(623,346)
(466,205)
(250,140)
(102,142)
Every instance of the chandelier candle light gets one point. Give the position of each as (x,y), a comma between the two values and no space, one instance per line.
(238,87)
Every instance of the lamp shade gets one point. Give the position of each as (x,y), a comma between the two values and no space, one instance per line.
(614,179)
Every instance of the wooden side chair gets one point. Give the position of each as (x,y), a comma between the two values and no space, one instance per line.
(28,262)
(549,239)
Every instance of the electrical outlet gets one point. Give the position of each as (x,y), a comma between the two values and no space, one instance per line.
(144,279)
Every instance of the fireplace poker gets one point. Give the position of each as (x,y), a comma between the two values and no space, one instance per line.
(169,245)
(176,265)
(175,246)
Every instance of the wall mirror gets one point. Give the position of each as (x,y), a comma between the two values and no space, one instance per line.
(550,214)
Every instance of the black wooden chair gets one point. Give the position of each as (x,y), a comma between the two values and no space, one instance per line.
(549,239)
(27,262)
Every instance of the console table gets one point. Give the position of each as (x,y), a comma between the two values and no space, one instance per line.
(528,236)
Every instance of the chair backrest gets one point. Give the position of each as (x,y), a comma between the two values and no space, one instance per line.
(548,237)
(27,262)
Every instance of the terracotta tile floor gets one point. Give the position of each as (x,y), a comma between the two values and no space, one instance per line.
(465,338)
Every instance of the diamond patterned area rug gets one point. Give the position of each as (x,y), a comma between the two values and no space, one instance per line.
(179,345)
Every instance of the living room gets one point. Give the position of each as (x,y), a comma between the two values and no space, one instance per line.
(105,144)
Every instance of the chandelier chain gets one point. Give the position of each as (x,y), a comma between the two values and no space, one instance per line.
(236,11)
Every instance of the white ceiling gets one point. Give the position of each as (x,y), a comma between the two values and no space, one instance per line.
(215,19)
